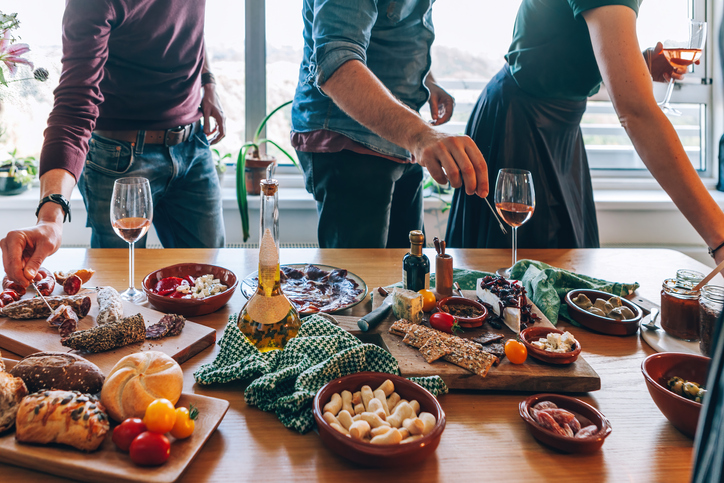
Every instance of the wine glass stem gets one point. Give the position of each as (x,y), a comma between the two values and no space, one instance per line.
(515,245)
(669,91)
(131,261)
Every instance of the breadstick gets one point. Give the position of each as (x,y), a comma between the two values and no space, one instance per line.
(381,413)
(367,396)
(359,408)
(345,419)
(410,439)
(381,396)
(392,401)
(388,387)
(359,430)
(404,433)
(374,420)
(392,436)
(356,398)
(347,402)
(330,418)
(402,411)
(357,417)
(334,404)
(339,428)
(429,421)
(374,405)
(380,430)
(413,425)
(415,406)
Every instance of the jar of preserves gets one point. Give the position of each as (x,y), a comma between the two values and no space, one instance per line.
(711,303)
(680,305)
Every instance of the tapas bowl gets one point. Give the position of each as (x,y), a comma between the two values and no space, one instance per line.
(444,304)
(604,325)
(586,415)
(658,368)
(190,307)
(374,455)
(531,334)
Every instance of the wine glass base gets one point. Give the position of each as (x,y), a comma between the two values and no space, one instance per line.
(134,296)
(504,272)
(670,110)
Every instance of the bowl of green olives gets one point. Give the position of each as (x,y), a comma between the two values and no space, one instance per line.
(603,312)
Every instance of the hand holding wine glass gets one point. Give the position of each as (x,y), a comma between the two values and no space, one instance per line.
(131,215)
(682,51)
(515,202)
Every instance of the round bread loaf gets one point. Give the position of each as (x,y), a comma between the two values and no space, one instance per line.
(59,370)
(136,380)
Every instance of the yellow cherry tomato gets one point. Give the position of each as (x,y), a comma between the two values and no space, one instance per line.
(515,351)
(428,299)
(185,424)
(160,416)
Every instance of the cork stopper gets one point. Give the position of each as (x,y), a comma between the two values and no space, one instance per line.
(269,187)
(417,237)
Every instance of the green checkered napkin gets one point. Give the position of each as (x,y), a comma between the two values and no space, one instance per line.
(546,285)
(285,381)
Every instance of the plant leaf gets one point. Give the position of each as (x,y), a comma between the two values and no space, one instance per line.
(241,191)
(264,121)
(291,158)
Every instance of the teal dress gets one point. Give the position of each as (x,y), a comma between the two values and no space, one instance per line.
(528,117)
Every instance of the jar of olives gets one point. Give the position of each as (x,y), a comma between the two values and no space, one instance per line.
(680,305)
(711,302)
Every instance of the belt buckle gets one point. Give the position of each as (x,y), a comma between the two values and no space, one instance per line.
(172,135)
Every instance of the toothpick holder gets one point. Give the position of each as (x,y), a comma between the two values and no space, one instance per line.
(443,275)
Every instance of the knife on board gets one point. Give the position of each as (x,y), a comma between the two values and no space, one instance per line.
(373,319)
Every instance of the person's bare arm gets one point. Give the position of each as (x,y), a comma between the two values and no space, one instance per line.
(25,249)
(441,102)
(211,108)
(613,35)
(358,92)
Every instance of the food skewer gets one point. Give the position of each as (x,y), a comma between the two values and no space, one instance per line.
(436,241)
(42,297)
(495,214)
(457,288)
(711,275)
(442,248)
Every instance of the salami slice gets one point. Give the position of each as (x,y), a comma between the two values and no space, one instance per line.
(169,325)
(157,331)
(177,324)
(68,327)
(62,314)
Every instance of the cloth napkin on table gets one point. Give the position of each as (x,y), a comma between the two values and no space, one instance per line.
(547,285)
(286,381)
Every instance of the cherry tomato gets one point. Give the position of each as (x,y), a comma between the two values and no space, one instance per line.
(185,424)
(150,449)
(160,416)
(126,432)
(428,300)
(515,351)
(444,322)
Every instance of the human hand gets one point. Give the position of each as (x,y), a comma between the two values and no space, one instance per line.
(453,158)
(211,108)
(24,250)
(660,68)
(441,103)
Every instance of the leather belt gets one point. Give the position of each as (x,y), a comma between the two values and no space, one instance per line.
(168,137)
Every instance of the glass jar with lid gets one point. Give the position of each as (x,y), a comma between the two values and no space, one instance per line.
(680,305)
(711,302)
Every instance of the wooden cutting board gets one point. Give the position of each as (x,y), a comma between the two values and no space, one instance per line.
(533,375)
(25,337)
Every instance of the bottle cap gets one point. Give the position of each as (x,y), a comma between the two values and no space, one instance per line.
(417,237)
(269,186)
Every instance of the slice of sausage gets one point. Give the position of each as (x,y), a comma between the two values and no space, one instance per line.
(47,283)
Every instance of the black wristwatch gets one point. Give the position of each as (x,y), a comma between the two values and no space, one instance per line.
(57,199)
(712,251)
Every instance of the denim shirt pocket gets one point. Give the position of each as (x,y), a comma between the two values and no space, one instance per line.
(109,156)
(400,9)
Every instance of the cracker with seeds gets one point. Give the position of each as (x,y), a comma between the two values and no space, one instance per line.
(435,348)
(417,337)
(401,327)
(469,356)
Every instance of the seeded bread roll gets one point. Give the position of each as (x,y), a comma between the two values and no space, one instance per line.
(136,380)
(59,370)
(12,391)
(66,417)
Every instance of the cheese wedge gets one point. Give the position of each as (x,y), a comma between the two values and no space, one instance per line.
(511,318)
(487,297)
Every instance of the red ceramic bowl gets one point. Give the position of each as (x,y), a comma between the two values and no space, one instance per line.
(658,368)
(532,334)
(604,325)
(586,415)
(190,307)
(468,322)
(371,454)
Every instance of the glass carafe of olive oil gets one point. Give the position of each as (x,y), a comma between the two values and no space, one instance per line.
(269,320)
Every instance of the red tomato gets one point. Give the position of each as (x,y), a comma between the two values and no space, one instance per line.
(150,449)
(126,432)
(444,322)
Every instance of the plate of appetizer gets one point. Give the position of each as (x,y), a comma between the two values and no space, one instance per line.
(315,288)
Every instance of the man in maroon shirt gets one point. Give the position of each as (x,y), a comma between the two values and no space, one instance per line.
(127,104)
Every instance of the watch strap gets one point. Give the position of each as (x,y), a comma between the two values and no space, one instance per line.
(712,251)
(59,200)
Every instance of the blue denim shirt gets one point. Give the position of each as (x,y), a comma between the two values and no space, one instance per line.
(392,38)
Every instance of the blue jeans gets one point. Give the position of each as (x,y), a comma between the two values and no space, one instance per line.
(187,209)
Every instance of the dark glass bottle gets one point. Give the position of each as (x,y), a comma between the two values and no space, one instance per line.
(415,265)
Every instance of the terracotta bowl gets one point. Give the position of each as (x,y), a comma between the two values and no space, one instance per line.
(367,454)
(190,307)
(604,325)
(658,368)
(586,415)
(468,322)
(532,334)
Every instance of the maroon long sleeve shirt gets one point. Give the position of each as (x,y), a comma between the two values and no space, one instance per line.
(127,64)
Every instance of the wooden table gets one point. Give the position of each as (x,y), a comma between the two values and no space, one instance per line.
(485,437)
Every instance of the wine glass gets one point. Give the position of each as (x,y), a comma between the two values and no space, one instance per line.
(131,215)
(682,51)
(515,202)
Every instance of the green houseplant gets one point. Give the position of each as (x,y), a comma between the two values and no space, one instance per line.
(250,151)
(17,173)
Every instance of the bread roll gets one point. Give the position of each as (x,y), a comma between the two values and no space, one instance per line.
(59,370)
(66,417)
(12,391)
(136,380)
